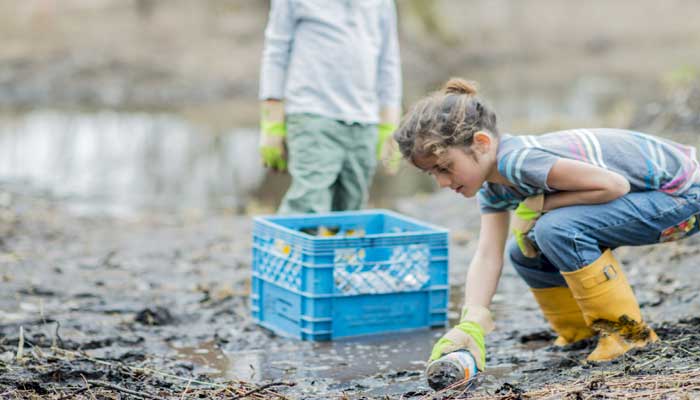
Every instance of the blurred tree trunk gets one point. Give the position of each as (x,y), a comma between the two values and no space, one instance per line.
(145,8)
(427,12)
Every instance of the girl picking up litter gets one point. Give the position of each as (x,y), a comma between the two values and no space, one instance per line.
(576,195)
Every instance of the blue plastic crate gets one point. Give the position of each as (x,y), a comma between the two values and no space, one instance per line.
(379,272)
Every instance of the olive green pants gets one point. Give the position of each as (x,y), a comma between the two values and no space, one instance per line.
(331,163)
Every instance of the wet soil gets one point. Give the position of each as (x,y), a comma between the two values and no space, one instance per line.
(158,305)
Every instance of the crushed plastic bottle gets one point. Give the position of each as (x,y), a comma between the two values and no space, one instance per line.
(451,369)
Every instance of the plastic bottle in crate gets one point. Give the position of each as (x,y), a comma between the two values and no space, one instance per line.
(450,369)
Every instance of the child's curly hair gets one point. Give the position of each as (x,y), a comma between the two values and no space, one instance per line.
(446,118)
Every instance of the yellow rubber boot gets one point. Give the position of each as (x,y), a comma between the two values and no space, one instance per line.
(609,308)
(563,314)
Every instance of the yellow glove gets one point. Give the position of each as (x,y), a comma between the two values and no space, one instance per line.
(469,334)
(272,147)
(525,217)
(387,148)
(272,135)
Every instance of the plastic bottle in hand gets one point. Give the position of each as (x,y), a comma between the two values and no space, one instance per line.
(451,369)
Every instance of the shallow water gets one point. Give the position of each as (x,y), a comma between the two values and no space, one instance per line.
(120,162)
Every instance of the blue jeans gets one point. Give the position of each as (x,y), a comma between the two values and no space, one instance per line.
(571,238)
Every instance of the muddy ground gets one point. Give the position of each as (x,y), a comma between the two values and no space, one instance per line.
(159,305)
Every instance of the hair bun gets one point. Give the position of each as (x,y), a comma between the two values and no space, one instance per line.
(460,86)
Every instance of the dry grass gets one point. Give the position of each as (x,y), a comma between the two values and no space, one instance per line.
(615,385)
(150,383)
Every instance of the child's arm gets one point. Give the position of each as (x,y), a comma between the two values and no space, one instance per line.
(487,263)
(389,90)
(582,183)
(279,36)
(482,279)
(389,67)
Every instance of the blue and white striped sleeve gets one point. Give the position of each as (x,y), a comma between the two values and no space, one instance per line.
(279,36)
(527,168)
(490,202)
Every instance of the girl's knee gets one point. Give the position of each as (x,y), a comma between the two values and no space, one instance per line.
(553,231)
(516,255)
(518,259)
(536,272)
(562,241)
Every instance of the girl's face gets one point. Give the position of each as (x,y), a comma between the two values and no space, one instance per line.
(464,172)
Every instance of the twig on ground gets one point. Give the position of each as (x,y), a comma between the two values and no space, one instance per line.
(143,370)
(87,386)
(687,351)
(125,390)
(20,343)
(185,391)
(57,341)
(72,395)
(263,387)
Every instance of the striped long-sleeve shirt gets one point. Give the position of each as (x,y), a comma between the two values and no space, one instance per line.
(334,58)
(648,162)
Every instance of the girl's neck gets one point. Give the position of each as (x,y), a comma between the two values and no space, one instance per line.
(496,177)
(493,176)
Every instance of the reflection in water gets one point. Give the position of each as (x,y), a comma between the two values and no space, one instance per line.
(399,356)
(207,356)
(123,161)
(340,361)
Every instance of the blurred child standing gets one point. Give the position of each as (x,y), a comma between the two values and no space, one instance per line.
(330,91)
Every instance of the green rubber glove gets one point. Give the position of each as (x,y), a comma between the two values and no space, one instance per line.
(525,217)
(272,145)
(468,335)
(387,149)
(524,211)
